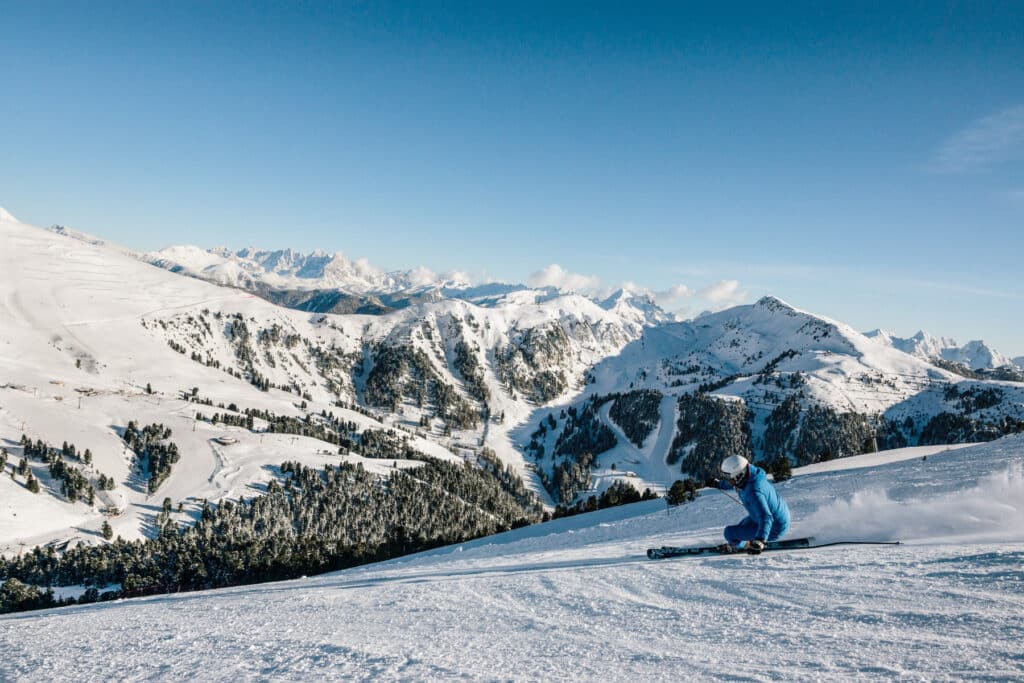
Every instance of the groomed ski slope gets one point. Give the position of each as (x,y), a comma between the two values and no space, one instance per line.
(576,599)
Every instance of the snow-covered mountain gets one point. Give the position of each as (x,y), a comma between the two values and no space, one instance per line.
(762,380)
(287,269)
(82,355)
(331,283)
(78,364)
(975,355)
(576,599)
(573,395)
(637,306)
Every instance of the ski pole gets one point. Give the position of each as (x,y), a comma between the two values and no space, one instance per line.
(730,497)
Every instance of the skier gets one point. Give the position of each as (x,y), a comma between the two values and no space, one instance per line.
(767,514)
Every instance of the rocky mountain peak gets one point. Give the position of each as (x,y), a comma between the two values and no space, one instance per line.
(774,305)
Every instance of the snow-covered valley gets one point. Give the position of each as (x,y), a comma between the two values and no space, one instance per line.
(577,599)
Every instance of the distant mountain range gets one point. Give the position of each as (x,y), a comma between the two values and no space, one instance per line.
(976,355)
(780,363)
(331,283)
(573,393)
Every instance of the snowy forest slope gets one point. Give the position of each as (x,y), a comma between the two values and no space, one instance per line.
(95,341)
(765,380)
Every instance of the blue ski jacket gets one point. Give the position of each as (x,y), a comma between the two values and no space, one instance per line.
(763,503)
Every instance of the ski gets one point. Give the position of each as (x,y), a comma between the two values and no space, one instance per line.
(669,551)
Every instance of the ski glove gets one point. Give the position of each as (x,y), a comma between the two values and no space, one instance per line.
(755,547)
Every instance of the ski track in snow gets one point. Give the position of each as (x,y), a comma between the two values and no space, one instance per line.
(576,598)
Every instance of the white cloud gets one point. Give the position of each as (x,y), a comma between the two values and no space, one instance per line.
(364,268)
(990,140)
(605,291)
(673,296)
(422,276)
(679,298)
(459,276)
(556,276)
(476,278)
(723,294)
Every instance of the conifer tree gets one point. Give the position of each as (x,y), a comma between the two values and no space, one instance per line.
(681,492)
(780,468)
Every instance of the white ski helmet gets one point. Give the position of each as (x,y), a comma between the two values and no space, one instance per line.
(734,465)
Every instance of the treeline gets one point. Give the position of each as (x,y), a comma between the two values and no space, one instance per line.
(973,398)
(244,421)
(468,365)
(949,427)
(318,520)
(636,413)
(17,596)
(324,426)
(803,432)
(74,484)
(403,372)
(381,443)
(153,456)
(707,429)
(619,493)
(508,479)
(584,432)
(817,432)
(534,366)
(583,438)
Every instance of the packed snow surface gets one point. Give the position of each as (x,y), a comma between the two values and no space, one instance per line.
(577,599)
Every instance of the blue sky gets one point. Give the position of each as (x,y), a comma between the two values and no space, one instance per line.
(863,162)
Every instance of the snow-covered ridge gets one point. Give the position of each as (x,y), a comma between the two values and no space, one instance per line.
(976,355)
(777,365)
(259,270)
(289,269)
(80,353)
(742,340)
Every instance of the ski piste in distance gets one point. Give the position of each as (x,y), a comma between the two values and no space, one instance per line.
(788,544)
